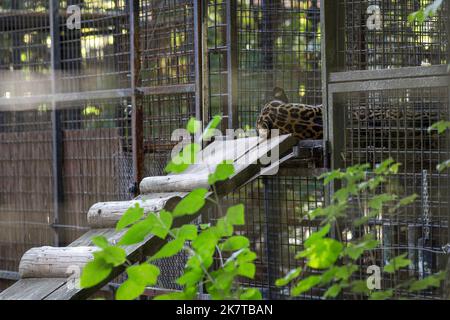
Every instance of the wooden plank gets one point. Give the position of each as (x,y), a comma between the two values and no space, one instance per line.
(175,183)
(54,262)
(31,289)
(56,289)
(107,214)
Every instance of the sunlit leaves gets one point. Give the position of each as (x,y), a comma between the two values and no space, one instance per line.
(193,126)
(139,277)
(440,126)
(251,294)
(235,215)
(235,243)
(381,295)
(170,249)
(130,216)
(137,233)
(422,14)
(95,272)
(430,281)
(293,274)
(191,204)
(184,159)
(305,285)
(397,263)
(223,171)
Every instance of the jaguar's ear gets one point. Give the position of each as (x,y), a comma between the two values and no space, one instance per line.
(279,94)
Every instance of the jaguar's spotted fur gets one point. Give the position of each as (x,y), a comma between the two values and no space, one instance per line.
(304,122)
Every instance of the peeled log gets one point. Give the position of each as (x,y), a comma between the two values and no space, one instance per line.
(51,262)
(175,183)
(107,214)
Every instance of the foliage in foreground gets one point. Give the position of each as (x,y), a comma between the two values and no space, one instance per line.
(333,263)
(202,245)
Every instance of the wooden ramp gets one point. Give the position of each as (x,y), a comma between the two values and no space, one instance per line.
(46,272)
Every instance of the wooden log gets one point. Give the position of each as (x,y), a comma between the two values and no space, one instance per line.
(175,183)
(51,262)
(107,214)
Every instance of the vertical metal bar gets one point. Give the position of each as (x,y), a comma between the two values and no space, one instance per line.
(57,140)
(198,58)
(232,64)
(136,98)
(204,61)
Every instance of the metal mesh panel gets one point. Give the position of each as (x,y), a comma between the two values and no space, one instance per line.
(167,42)
(24,46)
(275,208)
(397,43)
(96,56)
(279,45)
(97,162)
(394,123)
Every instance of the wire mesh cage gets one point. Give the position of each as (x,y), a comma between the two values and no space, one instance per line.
(378,35)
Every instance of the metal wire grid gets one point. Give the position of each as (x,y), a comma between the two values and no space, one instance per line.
(276,226)
(167,42)
(24,46)
(96,56)
(279,45)
(394,123)
(397,43)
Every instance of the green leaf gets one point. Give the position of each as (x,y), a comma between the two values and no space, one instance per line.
(130,216)
(247,270)
(235,243)
(191,204)
(251,294)
(186,232)
(130,290)
(381,295)
(378,201)
(191,277)
(397,263)
(161,223)
(440,126)
(235,215)
(224,227)
(322,253)
(305,285)
(193,125)
(360,286)
(144,274)
(293,274)
(430,281)
(443,166)
(173,296)
(184,159)
(100,241)
(112,255)
(333,291)
(354,251)
(137,232)
(209,131)
(222,173)
(169,249)
(317,235)
(95,272)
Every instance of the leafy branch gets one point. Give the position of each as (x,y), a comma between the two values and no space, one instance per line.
(202,245)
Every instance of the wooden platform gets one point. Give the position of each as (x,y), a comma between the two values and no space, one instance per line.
(246,157)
